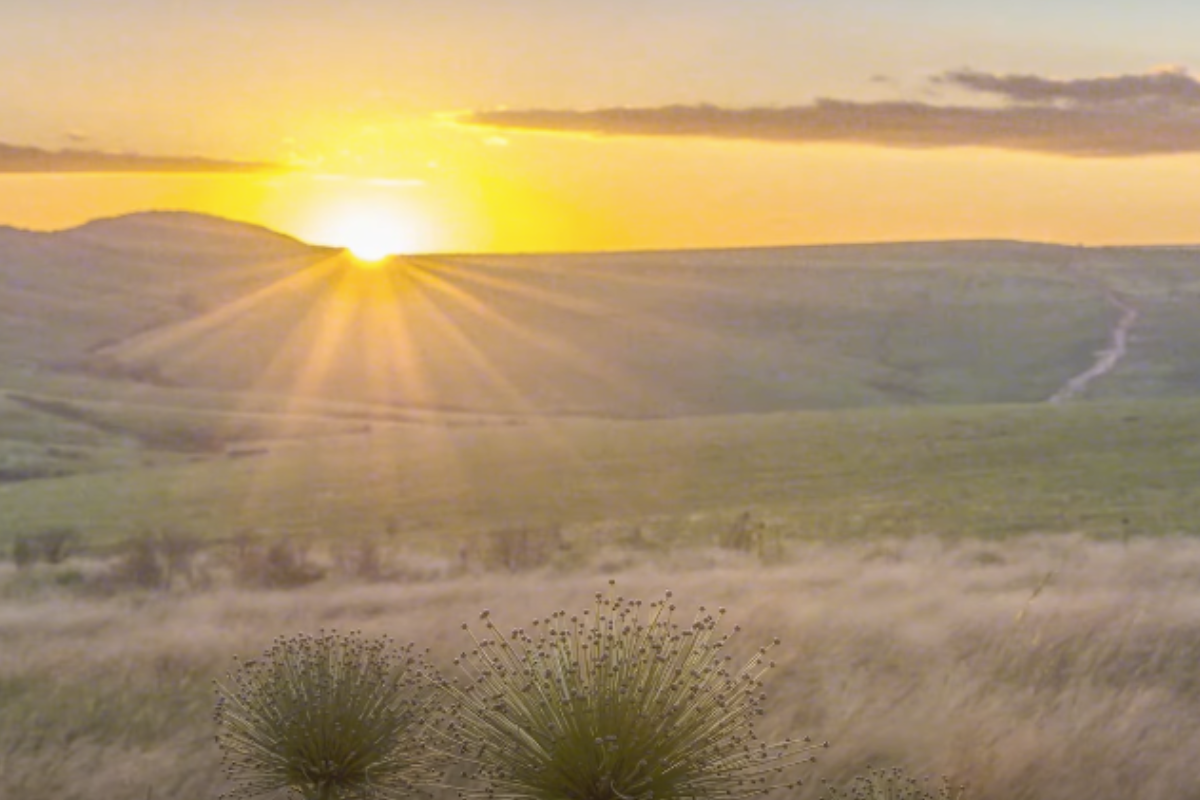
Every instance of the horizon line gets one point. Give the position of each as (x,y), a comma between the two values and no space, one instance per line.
(916,242)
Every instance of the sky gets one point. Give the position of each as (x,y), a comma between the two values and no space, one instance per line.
(543,125)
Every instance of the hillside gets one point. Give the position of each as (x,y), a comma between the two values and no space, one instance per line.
(194,303)
(170,369)
(63,295)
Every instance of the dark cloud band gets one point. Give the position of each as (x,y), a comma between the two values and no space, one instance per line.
(1141,115)
(35,160)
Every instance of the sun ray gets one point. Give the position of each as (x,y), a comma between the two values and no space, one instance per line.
(698,341)
(217,329)
(569,357)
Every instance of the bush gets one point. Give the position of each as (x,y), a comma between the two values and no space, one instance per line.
(280,565)
(361,558)
(522,547)
(23,554)
(608,706)
(53,546)
(748,534)
(327,716)
(154,560)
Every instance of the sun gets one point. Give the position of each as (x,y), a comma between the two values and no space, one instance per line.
(370,250)
(370,232)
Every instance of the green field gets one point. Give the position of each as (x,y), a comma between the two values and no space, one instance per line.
(1104,468)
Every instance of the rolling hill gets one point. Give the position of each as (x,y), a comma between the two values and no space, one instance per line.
(141,357)
(194,303)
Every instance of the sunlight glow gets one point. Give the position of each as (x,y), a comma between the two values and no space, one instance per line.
(371,233)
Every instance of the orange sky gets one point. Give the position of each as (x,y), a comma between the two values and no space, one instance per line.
(1062,127)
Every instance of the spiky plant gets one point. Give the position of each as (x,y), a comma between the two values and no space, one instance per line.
(893,784)
(327,716)
(608,705)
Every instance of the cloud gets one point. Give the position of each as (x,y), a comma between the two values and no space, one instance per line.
(15,159)
(1170,87)
(1155,113)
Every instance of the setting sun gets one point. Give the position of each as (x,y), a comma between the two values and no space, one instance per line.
(371,234)
(371,231)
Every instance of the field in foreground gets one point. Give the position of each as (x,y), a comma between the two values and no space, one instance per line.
(1057,668)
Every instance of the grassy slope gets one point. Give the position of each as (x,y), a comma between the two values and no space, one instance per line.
(1103,468)
(632,335)
(175,301)
(732,342)
(1164,352)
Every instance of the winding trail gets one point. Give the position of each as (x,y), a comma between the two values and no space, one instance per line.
(1110,356)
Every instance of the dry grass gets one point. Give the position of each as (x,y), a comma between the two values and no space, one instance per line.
(1056,668)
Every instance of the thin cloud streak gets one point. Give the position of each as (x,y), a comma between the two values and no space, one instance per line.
(1169,87)
(27,160)
(1125,116)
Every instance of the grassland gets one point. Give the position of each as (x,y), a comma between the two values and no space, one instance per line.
(610,335)
(649,335)
(1055,668)
(850,447)
(1111,469)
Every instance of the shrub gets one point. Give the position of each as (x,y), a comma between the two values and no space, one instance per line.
(282,564)
(327,716)
(23,554)
(522,547)
(608,706)
(154,559)
(744,535)
(361,558)
(53,546)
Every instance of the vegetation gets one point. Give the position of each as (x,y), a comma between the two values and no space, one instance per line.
(329,716)
(1023,669)
(608,705)
(848,444)
(892,784)
(1107,469)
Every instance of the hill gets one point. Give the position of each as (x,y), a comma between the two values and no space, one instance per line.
(194,303)
(63,295)
(173,369)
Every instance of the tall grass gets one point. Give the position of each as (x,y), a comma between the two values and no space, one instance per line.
(1057,668)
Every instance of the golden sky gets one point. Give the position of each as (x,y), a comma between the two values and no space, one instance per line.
(525,125)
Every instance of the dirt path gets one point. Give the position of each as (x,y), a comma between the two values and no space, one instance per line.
(1107,358)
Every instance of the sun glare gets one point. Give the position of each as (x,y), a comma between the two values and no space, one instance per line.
(370,251)
(370,233)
